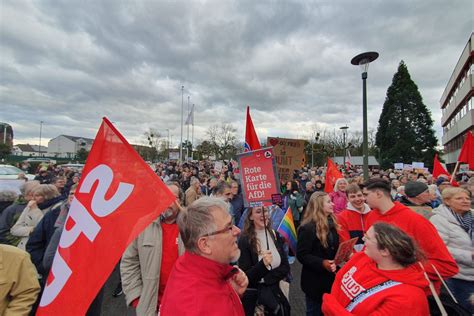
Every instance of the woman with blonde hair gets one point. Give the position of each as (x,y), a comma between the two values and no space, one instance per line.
(318,241)
(453,220)
(338,196)
(45,198)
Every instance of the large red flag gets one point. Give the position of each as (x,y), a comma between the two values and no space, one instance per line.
(332,174)
(251,139)
(117,198)
(467,151)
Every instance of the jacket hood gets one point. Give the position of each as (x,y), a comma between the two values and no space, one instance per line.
(412,275)
(366,209)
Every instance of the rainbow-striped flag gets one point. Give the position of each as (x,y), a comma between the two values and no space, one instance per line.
(287,229)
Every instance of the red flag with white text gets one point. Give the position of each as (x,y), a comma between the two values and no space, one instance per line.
(332,174)
(118,196)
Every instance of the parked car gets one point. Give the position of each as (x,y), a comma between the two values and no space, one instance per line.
(8,172)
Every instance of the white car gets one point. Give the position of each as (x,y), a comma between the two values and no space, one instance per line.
(8,172)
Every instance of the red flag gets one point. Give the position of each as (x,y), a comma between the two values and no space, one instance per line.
(332,174)
(467,151)
(117,198)
(439,170)
(251,139)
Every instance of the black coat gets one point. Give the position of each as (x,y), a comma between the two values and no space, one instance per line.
(315,279)
(255,269)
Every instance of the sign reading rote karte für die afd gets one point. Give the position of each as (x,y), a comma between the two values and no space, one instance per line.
(258,177)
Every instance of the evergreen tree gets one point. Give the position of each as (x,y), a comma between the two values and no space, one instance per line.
(405,132)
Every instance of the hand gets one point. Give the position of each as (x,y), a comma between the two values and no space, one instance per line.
(32,204)
(267,257)
(239,282)
(329,265)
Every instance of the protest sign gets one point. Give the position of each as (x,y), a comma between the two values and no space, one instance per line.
(289,155)
(398,166)
(118,196)
(407,167)
(218,166)
(344,251)
(258,177)
(418,165)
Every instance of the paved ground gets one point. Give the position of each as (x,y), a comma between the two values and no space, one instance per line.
(112,306)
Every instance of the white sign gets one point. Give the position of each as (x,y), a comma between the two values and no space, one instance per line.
(418,165)
(398,165)
(407,167)
(218,166)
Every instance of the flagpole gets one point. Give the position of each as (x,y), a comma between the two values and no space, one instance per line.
(192,136)
(182,114)
(454,172)
(187,137)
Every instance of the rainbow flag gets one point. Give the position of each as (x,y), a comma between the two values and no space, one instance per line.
(287,230)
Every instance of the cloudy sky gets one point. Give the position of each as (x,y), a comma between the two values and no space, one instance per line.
(69,63)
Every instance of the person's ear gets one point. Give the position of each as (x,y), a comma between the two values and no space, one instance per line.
(384,252)
(203,245)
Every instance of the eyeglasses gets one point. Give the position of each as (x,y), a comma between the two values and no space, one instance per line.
(226,229)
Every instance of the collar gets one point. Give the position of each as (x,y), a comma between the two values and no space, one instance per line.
(366,209)
(206,267)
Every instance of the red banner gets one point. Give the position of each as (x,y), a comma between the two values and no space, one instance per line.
(117,198)
(332,174)
(258,177)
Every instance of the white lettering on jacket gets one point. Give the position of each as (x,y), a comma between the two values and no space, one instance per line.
(350,286)
(84,223)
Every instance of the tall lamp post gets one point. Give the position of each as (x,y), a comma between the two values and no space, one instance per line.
(363,60)
(344,131)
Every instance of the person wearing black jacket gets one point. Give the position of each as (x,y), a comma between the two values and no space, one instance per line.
(265,263)
(318,241)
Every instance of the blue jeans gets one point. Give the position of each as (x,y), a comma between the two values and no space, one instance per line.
(313,308)
(462,290)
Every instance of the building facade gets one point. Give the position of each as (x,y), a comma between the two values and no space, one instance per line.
(457,105)
(27,150)
(65,146)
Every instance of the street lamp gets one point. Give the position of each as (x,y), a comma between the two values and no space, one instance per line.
(344,130)
(182,121)
(363,60)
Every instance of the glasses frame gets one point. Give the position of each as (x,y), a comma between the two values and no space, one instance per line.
(228,228)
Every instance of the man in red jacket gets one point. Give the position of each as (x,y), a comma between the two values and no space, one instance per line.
(202,281)
(377,196)
(353,219)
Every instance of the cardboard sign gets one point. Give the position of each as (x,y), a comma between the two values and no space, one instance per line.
(344,251)
(258,177)
(289,155)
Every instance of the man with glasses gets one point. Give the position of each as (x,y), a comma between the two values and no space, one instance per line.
(202,281)
(148,260)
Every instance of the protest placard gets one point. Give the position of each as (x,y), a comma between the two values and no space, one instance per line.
(258,177)
(418,165)
(398,166)
(289,155)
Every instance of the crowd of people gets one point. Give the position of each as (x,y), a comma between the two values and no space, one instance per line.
(208,254)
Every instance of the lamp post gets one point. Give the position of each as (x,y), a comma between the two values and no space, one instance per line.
(363,60)
(168,143)
(344,130)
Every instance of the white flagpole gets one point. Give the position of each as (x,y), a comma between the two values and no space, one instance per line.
(192,135)
(182,119)
(187,137)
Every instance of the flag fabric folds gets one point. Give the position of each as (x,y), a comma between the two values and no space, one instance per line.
(287,230)
(118,196)
(190,119)
(438,170)
(467,151)
(251,139)
(332,174)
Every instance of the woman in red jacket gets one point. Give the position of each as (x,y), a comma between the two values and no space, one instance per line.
(383,280)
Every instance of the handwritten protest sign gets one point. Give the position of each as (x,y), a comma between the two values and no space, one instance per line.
(258,177)
(289,155)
